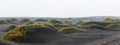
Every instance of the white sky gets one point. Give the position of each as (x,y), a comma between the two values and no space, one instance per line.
(59,8)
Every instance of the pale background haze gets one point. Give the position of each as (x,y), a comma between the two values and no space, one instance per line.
(59,8)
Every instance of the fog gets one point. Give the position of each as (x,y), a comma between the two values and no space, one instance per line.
(59,8)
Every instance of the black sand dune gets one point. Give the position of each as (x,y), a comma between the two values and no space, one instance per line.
(49,35)
(82,38)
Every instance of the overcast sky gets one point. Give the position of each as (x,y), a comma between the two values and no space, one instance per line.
(59,8)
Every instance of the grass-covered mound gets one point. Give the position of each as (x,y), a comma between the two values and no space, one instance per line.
(68,30)
(99,23)
(9,20)
(56,23)
(95,26)
(40,20)
(80,24)
(10,27)
(113,26)
(24,33)
(25,20)
(92,25)
(58,26)
(67,22)
(53,21)
(108,20)
(3,22)
(13,19)
(28,23)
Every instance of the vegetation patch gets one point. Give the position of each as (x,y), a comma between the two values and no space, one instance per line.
(25,20)
(113,26)
(13,19)
(10,27)
(28,23)
(40,19)
(21,32)
(3,22)
(107,20)
(53,21)
(68,30)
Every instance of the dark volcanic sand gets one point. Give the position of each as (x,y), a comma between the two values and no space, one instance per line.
(90,37)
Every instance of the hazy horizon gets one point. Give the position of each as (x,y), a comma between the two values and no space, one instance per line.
(59,8)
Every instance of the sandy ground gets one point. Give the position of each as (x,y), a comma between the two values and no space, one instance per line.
(90,37)
(84,38)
